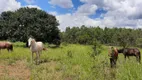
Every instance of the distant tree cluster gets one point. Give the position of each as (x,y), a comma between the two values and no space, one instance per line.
(26,22)
(110,36)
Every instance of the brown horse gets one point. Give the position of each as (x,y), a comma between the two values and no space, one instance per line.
(131,52)
(6,45)
(113,53)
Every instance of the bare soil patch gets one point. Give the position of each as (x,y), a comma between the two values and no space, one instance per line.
(17,70)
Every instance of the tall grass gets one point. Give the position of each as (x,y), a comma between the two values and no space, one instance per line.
(74,62)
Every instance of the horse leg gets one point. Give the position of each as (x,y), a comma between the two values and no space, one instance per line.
(32,57)
(138,58)
(111,62)
(37,57)
(7,49)
(128,57)
(115,60)
(125,57)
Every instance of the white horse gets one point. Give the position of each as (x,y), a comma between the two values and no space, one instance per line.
(35,47)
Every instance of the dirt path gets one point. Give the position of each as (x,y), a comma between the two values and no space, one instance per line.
(16,71)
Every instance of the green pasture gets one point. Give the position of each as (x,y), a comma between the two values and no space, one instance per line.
(70,62)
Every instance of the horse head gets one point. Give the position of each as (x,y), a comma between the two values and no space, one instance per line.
(29,41)
(120,50)
(33,41)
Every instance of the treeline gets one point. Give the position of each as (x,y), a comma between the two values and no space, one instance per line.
(109,36)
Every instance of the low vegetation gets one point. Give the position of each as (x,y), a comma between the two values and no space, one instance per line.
(67,62)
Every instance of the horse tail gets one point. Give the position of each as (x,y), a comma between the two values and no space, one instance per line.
(11,47)
(139,56)
(44,49)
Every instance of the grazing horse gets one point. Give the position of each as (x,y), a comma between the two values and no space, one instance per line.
(131,52)
(113,53)
(35,47)
(6,45)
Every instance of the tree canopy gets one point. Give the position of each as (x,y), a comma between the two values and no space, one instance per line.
(26,22)
(110,36)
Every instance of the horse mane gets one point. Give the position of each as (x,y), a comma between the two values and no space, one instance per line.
(116,50)
(29,41)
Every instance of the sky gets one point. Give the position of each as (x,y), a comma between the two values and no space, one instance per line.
(72,13)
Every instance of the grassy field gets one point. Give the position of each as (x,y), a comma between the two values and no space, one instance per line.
(68,62)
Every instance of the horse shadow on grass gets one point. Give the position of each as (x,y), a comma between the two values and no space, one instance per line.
(55,47)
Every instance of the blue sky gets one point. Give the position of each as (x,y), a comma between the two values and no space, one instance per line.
(103,13)
(46,6)
(57,9)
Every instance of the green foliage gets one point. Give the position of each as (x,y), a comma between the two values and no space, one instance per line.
(26,22)
(69,54)
(139,42)
(97,47)
(110,36)
(126,38)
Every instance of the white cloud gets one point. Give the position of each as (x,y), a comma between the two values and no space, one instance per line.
(29,1)
(33,6)
(62,3)
(124,13)
(96,2)
(120,13)
(53,13)
(86,10)
(75,20)
(9,5)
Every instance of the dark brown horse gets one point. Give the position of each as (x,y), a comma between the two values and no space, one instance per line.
(6,45)
(113,53)
(131,52)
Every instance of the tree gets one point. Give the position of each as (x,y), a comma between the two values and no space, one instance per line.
(109,36)
(126,38)
(139,42)
(26,22)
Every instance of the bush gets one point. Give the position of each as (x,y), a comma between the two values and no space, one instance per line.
(97,47)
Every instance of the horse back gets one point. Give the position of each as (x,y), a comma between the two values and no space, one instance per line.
(39,45)
(2,44)
(131,51)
